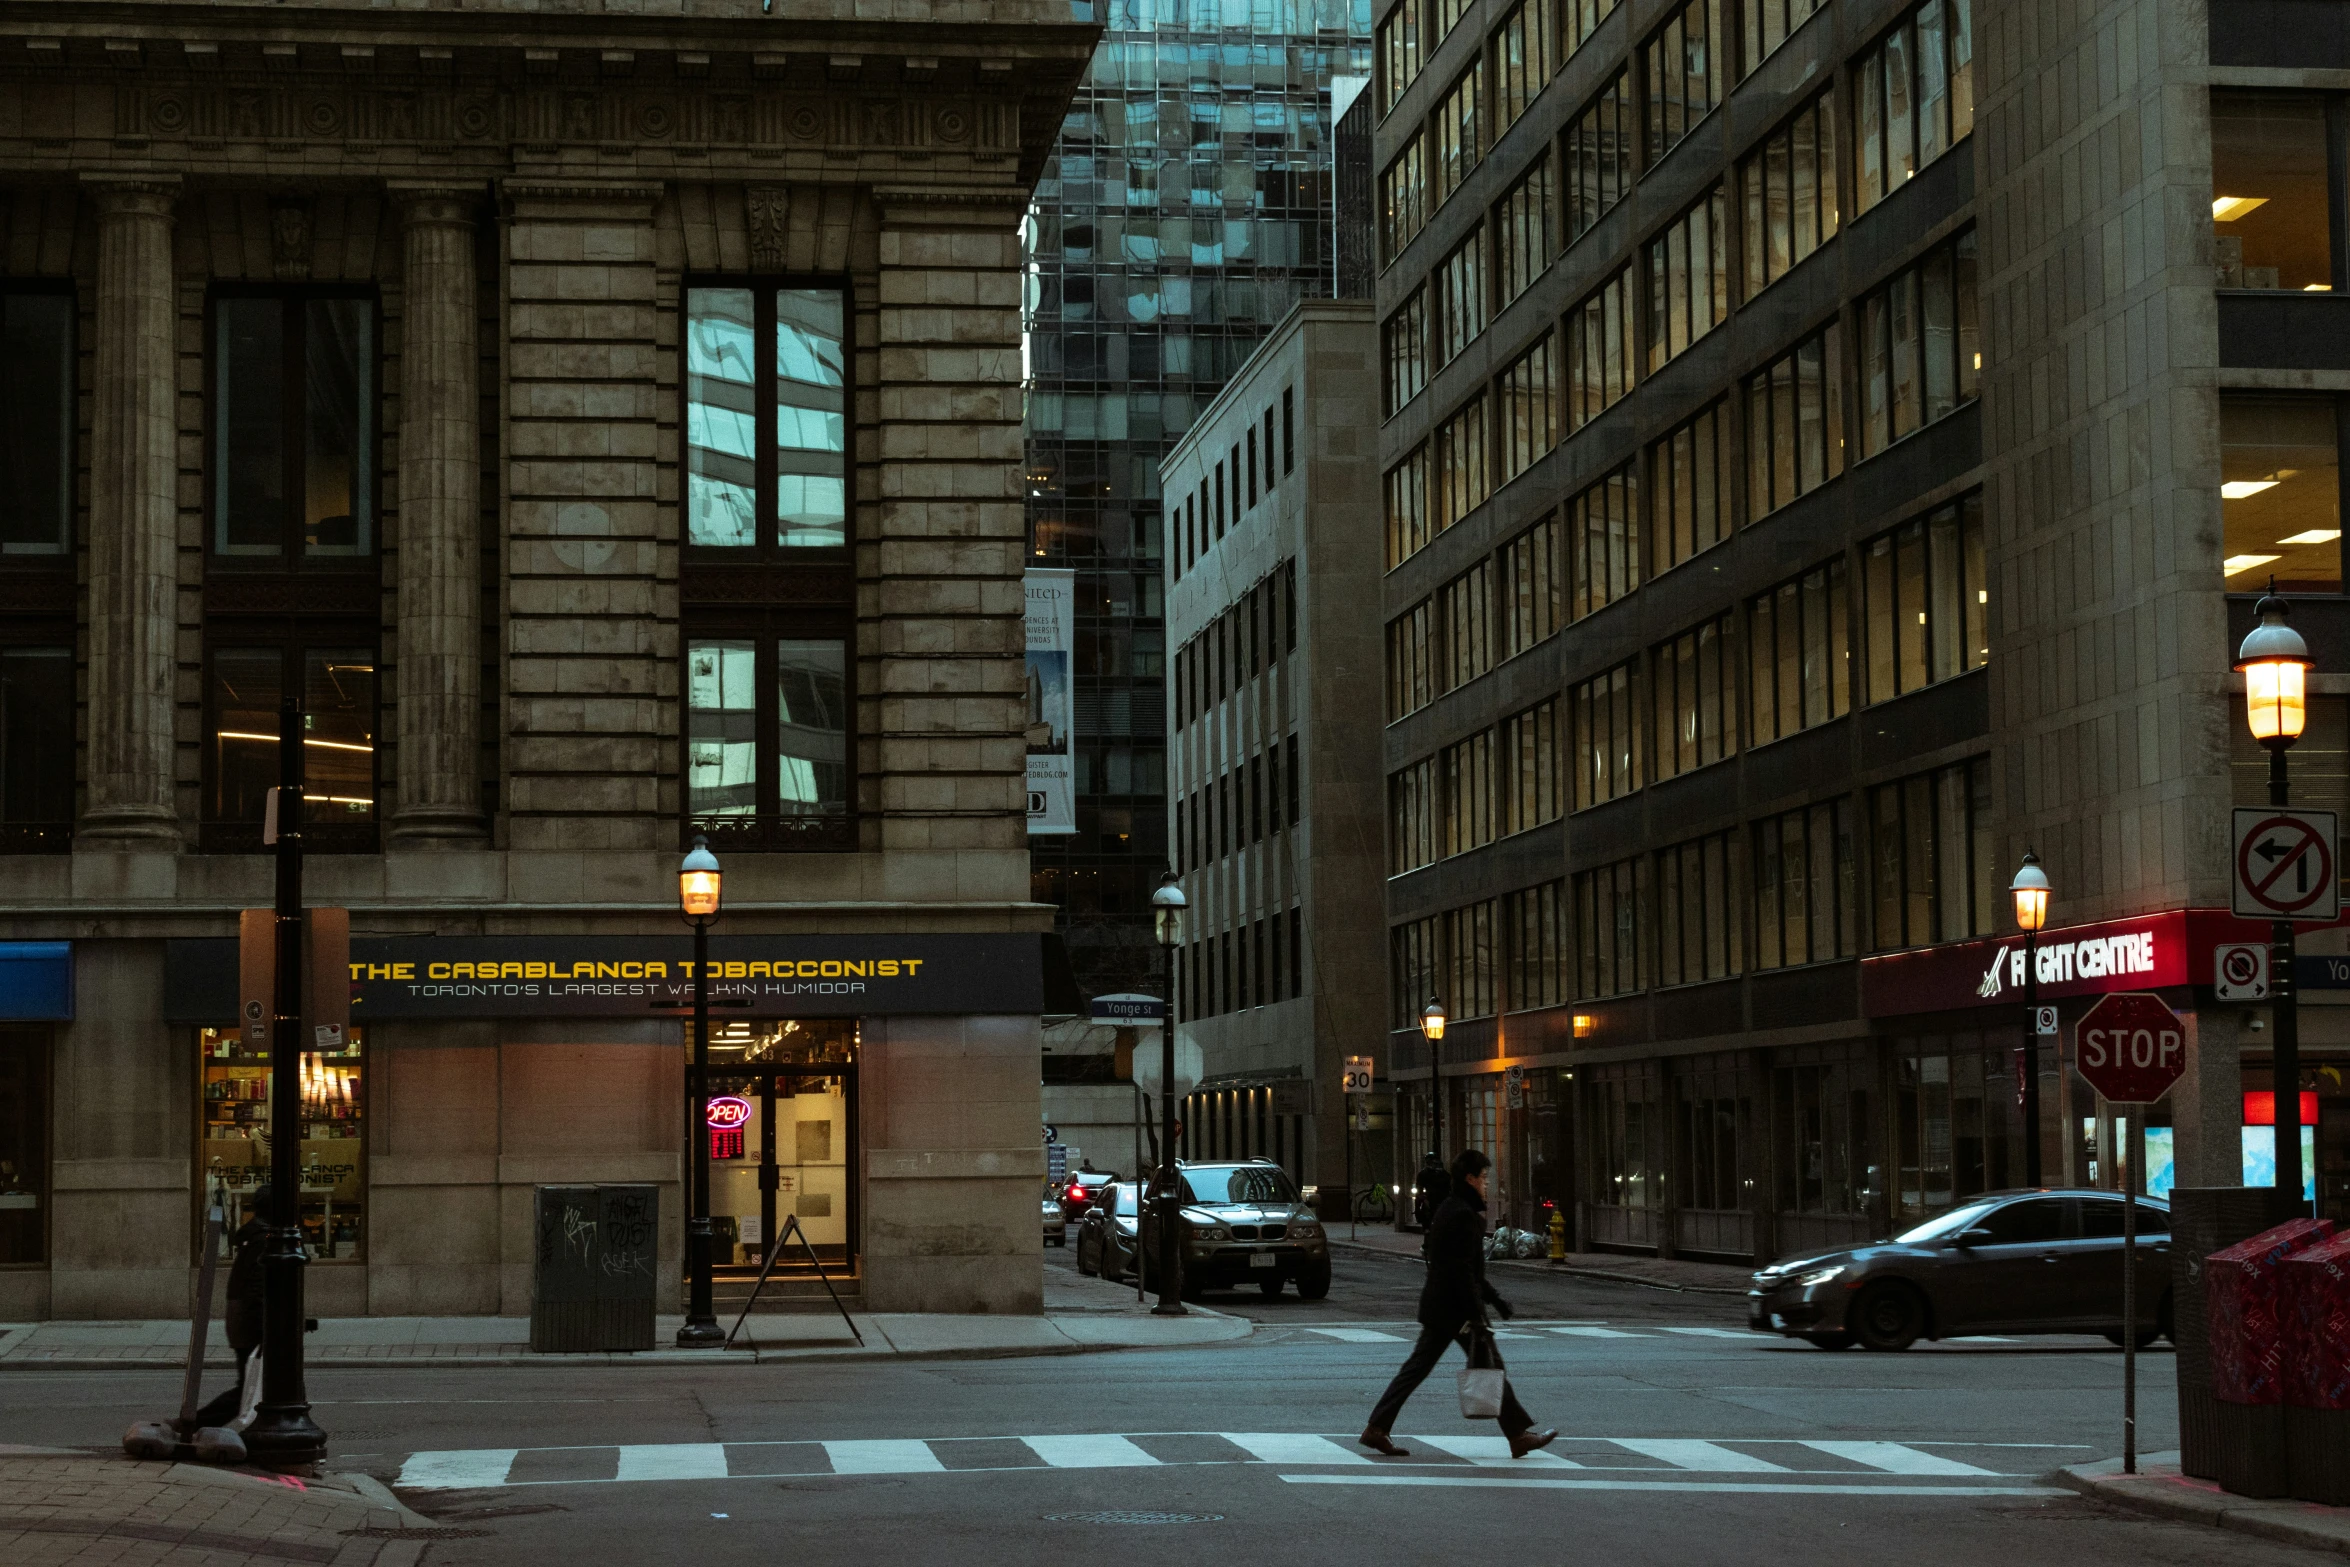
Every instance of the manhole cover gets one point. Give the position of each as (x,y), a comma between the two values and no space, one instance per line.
(1133,1517)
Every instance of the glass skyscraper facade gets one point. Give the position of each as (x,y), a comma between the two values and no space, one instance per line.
(1185,209)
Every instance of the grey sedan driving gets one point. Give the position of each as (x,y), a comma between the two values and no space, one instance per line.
(2038,1261)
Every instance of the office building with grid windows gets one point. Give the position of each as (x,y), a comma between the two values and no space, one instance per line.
(1828,449)
(1271,576)
(1185,209)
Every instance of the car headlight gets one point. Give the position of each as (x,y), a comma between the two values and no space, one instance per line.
(1305,1232)
(1818,1276)
(1210,1234)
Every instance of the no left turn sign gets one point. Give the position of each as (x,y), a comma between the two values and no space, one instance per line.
(2284,865)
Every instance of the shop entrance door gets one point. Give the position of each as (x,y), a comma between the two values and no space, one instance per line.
(794,1155)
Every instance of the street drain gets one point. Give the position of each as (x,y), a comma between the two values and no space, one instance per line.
(1133,1517)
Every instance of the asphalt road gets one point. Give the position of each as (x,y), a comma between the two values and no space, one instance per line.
(1687,1441)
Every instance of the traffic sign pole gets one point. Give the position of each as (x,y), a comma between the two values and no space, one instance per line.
(2285,871)
(2132,1048)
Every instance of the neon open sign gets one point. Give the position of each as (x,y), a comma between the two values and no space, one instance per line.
(728,1111)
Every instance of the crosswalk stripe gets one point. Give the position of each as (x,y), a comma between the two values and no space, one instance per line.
(1712,1487)
(1358,1335)
(1708,1332)
(673,1461)
(1709,1456)
(1089,1452)
(882,1458)
(1286,1447)
(1894,1458)
(457,1471)
(1485,1451)
(1591,1332)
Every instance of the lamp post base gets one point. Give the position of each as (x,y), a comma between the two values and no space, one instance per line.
(1165,1310)
(284,1437)
(701,1333)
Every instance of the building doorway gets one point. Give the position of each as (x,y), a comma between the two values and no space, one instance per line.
(792,1150)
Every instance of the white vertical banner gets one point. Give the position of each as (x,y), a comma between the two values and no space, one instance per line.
(1052,708)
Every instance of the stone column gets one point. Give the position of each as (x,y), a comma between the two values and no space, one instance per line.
(134,519)
(439,689)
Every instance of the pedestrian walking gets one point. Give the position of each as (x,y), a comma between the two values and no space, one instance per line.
(1429,1189)
(242,1322)
(1452,1310)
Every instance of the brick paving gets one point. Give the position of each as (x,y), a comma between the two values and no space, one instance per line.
(69,1509)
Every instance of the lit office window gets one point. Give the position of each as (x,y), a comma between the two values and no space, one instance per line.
(2280,493)
(2271,197)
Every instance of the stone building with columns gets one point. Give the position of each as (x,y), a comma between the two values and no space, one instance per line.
(602,421)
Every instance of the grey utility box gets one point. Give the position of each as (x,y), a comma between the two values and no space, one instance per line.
(594,1273)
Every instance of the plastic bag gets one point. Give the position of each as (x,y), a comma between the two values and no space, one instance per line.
(1481,1383)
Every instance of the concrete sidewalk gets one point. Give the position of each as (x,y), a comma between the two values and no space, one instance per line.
(1670,1273)
(2159,1488)
(505,1341)
(61,1508)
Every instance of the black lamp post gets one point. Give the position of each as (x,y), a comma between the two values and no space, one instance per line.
(1432,1030)
(697,895)
(2030,892)
(2274,662)
(282,1434)
(1167,906)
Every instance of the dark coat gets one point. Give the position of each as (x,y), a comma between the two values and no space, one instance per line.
(242,1321)
(1456,1292)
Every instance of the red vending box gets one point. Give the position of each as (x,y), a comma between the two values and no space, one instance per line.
(2247,1354)
(2313,1312)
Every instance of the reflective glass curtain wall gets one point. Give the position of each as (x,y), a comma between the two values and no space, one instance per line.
(1186,207)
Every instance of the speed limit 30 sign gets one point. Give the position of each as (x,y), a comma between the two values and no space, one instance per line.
(2284,865)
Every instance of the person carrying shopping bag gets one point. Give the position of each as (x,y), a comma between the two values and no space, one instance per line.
(1452,1310)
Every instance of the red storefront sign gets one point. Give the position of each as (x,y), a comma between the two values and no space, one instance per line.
(2149,952)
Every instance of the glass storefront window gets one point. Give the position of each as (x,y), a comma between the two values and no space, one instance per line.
(24,1146)
(234,1152)
(2270,212)
(2280,493)
(780,1069)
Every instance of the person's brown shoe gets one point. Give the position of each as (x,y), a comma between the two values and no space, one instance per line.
(1529,1440)
(1380,1442)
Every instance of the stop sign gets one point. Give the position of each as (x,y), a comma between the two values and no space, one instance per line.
(2132,1048)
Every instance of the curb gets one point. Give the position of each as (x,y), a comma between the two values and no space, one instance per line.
(1555,1270)
(646,1359)
(2159,1489)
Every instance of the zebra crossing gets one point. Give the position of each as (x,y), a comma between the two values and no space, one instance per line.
(1584,1462)
(1403,1333)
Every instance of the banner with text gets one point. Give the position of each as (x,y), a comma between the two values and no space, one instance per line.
(401,977)
(1052,706)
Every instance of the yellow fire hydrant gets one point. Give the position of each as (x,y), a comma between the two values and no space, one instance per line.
(1558,1236)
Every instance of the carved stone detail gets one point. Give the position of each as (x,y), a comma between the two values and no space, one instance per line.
(289,240)
(769,211)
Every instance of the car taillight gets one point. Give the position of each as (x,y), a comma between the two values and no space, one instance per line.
(1076,1193)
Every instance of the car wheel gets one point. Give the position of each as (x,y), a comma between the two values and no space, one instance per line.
(2164,1323)
(1083,1265)
(1887,1316)
(1271,1286)
(1315,1284)
(1828,1340)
